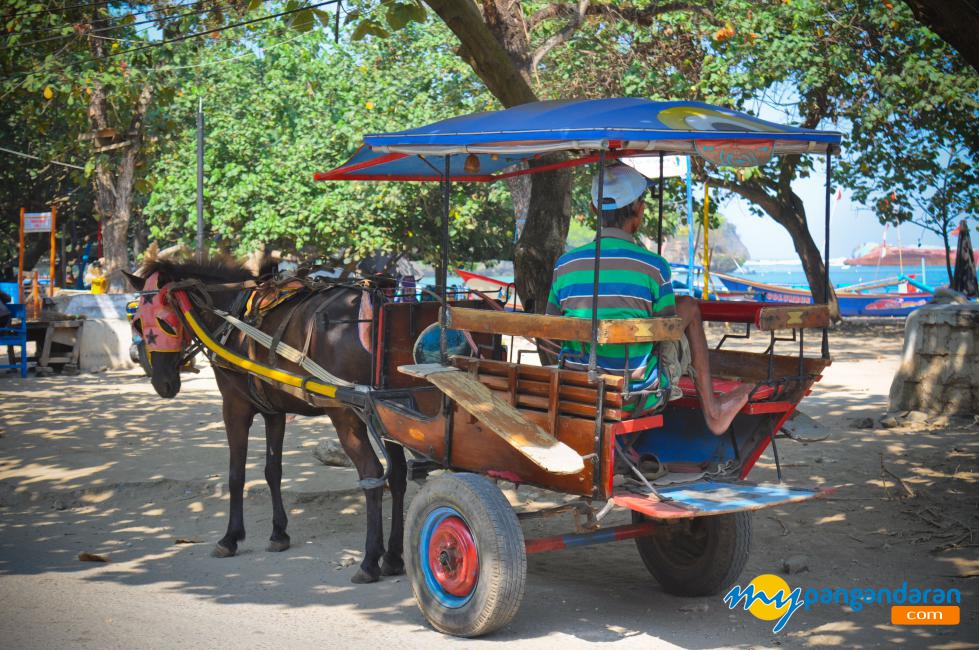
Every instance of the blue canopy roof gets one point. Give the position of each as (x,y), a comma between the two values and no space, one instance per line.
(482,145)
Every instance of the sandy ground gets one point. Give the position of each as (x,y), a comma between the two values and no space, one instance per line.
(99,464)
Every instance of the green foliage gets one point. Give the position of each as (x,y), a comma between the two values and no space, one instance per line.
(908,101)
(300,107)
(52,62)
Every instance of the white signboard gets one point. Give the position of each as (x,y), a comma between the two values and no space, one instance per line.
(648,166)
(37,222)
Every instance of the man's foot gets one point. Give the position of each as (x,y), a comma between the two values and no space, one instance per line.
(727,408)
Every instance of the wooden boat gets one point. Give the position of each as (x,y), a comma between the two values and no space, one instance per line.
(489,287)
(855,300)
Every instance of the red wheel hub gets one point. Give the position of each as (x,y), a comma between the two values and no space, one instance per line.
(453,558)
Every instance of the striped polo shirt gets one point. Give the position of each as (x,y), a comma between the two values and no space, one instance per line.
(632,283)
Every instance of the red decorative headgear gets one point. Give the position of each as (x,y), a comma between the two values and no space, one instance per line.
(162,329)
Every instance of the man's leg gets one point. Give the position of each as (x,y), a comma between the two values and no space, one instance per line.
(718,412)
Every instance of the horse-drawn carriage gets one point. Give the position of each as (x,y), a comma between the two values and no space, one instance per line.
(486,417)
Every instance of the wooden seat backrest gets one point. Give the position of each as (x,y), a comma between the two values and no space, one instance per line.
(563,328)
(556,391)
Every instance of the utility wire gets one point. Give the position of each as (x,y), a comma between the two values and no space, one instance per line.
(27,155)
(183,38)
(110,28)
(60,9)
(54,28)
(230,58)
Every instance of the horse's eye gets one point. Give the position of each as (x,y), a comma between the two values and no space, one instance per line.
(166,327)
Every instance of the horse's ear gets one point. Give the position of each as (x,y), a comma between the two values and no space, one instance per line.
(135,280)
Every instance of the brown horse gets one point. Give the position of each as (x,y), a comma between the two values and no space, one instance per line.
(335,342)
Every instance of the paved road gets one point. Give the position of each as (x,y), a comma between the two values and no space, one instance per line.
(97,464)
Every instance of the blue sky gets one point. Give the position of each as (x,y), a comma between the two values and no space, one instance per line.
(852,224)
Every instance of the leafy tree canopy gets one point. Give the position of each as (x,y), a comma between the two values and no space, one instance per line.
(282,106)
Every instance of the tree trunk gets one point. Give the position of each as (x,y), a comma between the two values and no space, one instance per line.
(948,253)
(949,19)
(786,208)
(543,237)
(115,222)
(495,45)
(114,186)
(794,221)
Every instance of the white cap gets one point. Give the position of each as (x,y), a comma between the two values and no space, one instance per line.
(623,185)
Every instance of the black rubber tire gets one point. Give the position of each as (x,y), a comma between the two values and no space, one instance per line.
(697,557)
(500,547)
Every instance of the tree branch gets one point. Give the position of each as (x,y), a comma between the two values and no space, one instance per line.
(645,16)
(750,190)
(487,56)
(562,36)
(576,16)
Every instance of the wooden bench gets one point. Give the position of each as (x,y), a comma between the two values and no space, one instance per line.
(563,328)
(557,393)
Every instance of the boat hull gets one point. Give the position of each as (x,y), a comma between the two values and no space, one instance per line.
(851,304)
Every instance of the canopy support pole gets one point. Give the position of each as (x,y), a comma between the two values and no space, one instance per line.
(829,190)
(690,246)
(659,227)
(706,255)
(443,271)
(593,344)
(200,180)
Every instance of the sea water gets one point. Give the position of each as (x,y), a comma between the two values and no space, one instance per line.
(786,273)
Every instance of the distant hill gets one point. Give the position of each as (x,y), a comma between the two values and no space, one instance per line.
(727,251)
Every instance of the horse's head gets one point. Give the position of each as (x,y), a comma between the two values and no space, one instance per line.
(162,331)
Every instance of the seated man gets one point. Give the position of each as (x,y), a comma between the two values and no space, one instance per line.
(634,283)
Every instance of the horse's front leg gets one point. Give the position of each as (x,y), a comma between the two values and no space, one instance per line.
(275,431)
(238,416)
(393,564)
(353,438)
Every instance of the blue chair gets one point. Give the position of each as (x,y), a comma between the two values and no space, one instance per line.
(12,336)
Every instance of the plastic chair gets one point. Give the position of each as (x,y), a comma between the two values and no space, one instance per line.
(12,336)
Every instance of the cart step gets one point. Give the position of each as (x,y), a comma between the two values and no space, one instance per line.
(419,468)
(711,498)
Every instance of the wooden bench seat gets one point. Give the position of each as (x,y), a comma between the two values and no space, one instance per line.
(723,386)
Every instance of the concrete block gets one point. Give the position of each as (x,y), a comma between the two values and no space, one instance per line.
(952,315)
(107,305)
(958,399)
(934,339)
(105,344)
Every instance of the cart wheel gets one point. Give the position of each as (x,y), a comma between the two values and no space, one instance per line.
(465,555)
(699,556)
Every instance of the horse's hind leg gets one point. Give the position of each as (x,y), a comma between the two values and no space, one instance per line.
(353,439)
(238,416)
(392,563)
(275,430)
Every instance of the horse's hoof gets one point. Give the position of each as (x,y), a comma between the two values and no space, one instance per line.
(392,567)
(223,551)
(363,578)
(277,546)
